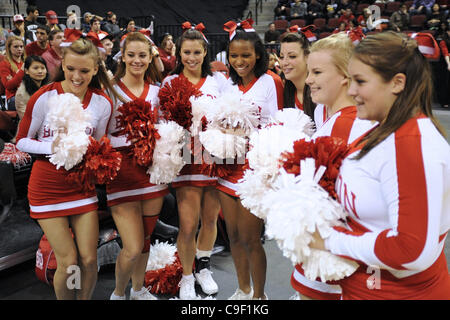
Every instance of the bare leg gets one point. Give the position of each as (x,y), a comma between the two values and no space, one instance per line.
(128,219)
(238,250)
(250,228)
(189,202)
(209,213)
(150,207)
(85,227)
(58,234)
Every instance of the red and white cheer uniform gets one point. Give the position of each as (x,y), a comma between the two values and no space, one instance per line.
(132,182)
(49,194)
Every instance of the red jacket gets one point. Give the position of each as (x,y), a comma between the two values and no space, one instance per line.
(12,83)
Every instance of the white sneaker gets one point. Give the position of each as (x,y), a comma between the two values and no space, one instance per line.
(143,294)
(206,282)
(114,297)
(187,288)
(241,295)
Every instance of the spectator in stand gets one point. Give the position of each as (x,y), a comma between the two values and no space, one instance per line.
(346,16)
(274,63)
(95,26)
(167,54)
(342,27)
(365,20)
(443,67)
(282,9)
(421,7)
(343,6)
(109,63)
(331,8)
(53,55)
(272,35)
(4,34)
(52,21)
(110,26)
(299,9)
(400,19)
(444,6)
(38,47)
(31,23)
(11,68)
(36,76)
(436,16)
(20,31)
(315,10)
(86,24)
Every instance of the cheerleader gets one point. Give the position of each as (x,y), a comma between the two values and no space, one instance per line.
(248,73)
(135,203)
(335,116)
(294,50)
(56,204)
(394,182)
(196,194)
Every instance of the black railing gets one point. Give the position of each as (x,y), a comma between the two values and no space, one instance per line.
(15,4)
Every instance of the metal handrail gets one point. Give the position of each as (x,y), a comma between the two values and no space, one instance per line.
(15,4)
(258,3)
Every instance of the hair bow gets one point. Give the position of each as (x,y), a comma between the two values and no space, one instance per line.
(307,31)
(231,26)
(199,27)
(146,32)
(71,35)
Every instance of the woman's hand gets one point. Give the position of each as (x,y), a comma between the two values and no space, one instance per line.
(317,242)
(57,139)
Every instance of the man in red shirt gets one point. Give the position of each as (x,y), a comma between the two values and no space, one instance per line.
(96,26)
(347,16)
(53,55)
(38,47)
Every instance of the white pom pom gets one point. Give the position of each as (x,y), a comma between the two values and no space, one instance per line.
(69,121)
(223,145)
(295,119)
(167,158)
(232,110)
(296,208)
(252,189)
(200,106)
(162,255)
(266,147)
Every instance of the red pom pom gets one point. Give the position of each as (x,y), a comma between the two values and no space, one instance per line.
(165,280)
(100,165)
(174,101)
(327,151)
(137,120)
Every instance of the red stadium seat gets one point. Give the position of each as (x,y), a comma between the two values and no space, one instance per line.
(360,7)
(333,23)
(417,22)
(298,22)
(281,24)
(320,23)
(391,7)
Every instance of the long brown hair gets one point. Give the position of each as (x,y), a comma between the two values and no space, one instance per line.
(290,90)
(100,80)
(390,53)
(151,74)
